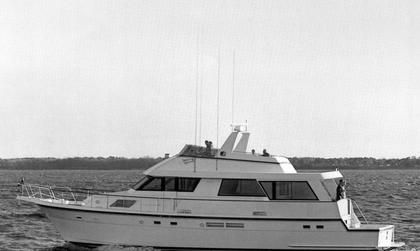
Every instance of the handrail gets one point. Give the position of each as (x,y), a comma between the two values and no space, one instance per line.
(360,211)
(87,198)
(88,192)
(46,192)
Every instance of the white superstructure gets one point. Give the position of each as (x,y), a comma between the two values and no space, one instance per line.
(227,198)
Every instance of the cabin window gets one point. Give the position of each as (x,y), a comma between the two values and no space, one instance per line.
(288,190)
(170,184)
(268,188)
(153,184)
(187,184)
(330,186)
(123,203)
(237,187)
(282,190)
(302,191)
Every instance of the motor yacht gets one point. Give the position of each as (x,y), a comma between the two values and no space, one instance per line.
(216,199)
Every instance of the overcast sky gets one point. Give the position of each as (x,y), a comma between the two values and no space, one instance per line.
(118,78)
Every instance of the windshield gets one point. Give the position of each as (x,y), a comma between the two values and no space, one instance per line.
(140,182)
(198,151)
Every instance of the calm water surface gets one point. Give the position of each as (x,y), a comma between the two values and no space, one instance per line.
(389,196)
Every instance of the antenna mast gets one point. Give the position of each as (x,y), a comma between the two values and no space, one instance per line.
(233,87)
(218,98)
(196,90)
(201,100)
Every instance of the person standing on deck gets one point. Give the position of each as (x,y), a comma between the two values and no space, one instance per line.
(341,190)
(265,153)
(209,146)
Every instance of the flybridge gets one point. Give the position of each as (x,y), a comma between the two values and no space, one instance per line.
(232,157)
(237,142)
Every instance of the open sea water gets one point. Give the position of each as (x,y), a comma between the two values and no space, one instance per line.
(386,196)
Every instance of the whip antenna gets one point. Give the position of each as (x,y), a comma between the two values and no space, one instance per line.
(233,86)
(201,100)
(196,89)
(218,97)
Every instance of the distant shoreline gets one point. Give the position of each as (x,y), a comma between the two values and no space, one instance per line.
(141,170)
(142,163)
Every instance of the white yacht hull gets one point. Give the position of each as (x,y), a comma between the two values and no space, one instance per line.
(99,227)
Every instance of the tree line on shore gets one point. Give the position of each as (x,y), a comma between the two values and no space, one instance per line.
(120,163)
(354,163)
(79,163)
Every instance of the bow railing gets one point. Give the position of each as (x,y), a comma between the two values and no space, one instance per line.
(51,193)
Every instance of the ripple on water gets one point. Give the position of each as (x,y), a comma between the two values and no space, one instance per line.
(38,215)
